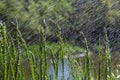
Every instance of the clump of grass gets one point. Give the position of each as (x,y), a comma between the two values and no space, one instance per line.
(13,65)
(3,51)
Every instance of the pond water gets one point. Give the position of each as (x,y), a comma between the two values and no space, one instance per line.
(66,70)
(115,60)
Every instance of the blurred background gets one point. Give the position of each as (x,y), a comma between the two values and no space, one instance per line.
(72,16)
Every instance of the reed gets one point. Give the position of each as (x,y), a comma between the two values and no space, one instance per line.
(15,53)
(99,60)
(107,57)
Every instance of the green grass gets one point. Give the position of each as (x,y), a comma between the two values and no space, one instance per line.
(18,61)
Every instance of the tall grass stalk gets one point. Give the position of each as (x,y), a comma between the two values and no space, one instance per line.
(28,54)
(107,57)
(18,48)
(99,60)
(61,52)
(3,50)
(87,60)
(12,58)
(43,56)
(31,63)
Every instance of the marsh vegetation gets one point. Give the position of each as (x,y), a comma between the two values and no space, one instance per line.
(59,40)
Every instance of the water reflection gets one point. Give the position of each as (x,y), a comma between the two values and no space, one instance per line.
(66,71)
(115,60)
